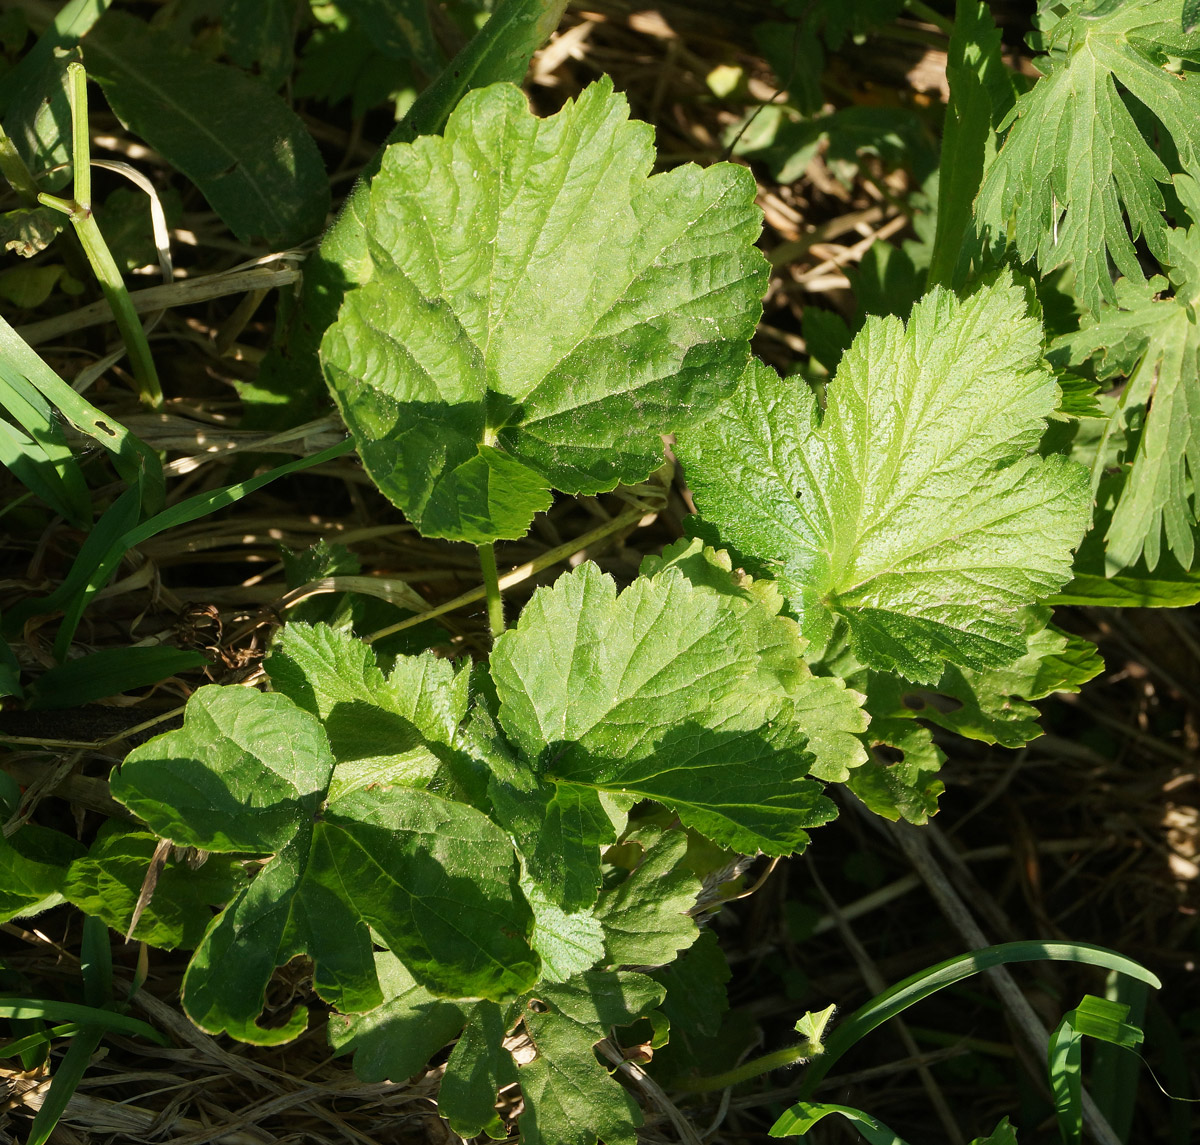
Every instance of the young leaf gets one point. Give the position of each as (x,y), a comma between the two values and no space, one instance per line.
(645,918)
(570,1098)
(252,772)
(914,505)
(1075,154)
(1156,343)
(246,150)
(539,310)
(667,692)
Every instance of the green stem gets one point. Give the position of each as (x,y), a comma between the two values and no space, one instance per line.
(103,264)
(491,584)
(789,1055)
(107,273)
(81,157)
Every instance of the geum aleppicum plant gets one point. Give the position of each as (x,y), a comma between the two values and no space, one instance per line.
(438,838)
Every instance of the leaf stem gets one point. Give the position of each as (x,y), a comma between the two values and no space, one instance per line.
(522,572)
(789,1055)
(491,585)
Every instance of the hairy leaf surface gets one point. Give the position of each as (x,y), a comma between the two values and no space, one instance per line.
(1075,155)
(668,691)
(539,310)
(914,505)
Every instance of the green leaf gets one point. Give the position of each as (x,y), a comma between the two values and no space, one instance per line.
(34,861)
(1074,155)
(395,1040)
(505,345)
(478,1069)
(901,778)
(499,52)
(246,150)
(1156,343)
(645,918)
(435,880)
(38,120)
(914,505)
(802,1116)
(260,33)
(994,705)
(570,1098)
(107,882)
(696,1001)
(28,230)
(669,691)
(567,943)
(390,730)
(1003,1134)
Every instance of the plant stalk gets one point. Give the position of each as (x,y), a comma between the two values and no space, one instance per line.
(491,585)
(104,266)
(789,1055)
(523,572)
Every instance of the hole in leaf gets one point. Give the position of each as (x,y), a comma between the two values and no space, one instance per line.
(913,702)
(886,754)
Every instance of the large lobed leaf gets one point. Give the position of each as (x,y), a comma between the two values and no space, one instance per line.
(683,692)
(539,310)
(914,505)
(1075,154)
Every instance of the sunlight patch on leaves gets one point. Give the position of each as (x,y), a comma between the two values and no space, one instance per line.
(914,504)
(539,310)
(1075,155)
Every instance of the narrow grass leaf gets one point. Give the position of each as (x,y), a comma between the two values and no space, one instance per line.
(64,1083)
(805,1114)
(108,672)
(21,1006)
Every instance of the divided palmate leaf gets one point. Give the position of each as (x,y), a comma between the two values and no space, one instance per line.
(1155,342)
(1075,154)
(539,310)
(914,505)
(432,878)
